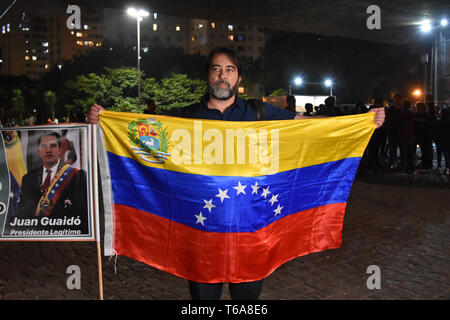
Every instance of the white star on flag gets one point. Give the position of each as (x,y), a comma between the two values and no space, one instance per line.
(67,202)
(200,218)
(274,199)
(277,210)
(209,205)
(265,192)
(255,188)
(240,189)
(222,195)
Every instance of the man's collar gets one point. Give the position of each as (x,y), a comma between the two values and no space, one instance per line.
(205,99)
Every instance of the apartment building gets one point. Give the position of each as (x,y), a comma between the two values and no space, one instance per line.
(247,40)
(121,28)
(24,47)
(30,45)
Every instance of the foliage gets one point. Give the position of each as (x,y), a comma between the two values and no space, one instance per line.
(116,90)
(278,92)
(178,90)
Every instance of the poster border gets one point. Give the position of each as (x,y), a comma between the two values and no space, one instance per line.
(91,192)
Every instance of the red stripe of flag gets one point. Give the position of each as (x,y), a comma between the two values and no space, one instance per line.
(216,257)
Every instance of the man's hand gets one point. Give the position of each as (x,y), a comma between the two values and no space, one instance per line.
(379,116)
(92,116)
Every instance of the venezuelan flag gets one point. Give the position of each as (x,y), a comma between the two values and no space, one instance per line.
(223,201)
(16,165)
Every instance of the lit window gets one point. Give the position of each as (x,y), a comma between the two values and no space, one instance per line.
(80,43)
(7,28)
(230,27)
(98,44)
(200,25)
(46,51)
(230,37)
(213,25)
(178,28)
(3,29)
(45,44)
(155,16)
(193,38)
(145,49)
(59,66)
(27,58)
(86,27)
(79,34)
(71,32)
(34,58)
(46,66)
(155,27)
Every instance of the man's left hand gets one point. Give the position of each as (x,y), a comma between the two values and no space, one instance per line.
(379,116)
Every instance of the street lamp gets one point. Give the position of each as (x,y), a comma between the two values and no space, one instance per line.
(329,83)
(297,81)
(138,14)
(432,83)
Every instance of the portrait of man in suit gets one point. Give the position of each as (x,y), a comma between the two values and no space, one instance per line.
(55,190)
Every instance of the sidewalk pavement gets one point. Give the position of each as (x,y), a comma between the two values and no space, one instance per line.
(399,223)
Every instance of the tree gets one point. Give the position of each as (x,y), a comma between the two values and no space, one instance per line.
(178,90)
(50,101)
(18,106)
(278,92)
(116,90)
(89,89)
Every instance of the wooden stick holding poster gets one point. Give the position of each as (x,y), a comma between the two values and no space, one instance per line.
(93,131)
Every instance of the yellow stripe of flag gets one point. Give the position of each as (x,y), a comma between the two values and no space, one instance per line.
(235,148)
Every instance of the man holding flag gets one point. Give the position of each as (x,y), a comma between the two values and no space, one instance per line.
(222,103)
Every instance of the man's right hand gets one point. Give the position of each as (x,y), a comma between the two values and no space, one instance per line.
(92,116)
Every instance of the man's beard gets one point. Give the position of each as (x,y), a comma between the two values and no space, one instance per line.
(221,93)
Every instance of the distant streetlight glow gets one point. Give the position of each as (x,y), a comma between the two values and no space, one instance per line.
(425,26)
(297,81)
(444,22)
(417,93)
(329,83)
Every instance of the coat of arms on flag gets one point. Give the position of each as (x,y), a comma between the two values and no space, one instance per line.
(149,140)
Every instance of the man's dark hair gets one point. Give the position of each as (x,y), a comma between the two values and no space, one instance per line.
(226,51)
(53,133)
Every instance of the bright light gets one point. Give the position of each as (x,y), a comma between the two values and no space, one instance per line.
(444,22)
(328,83)
(425,26)
(137,13)
(143,13)
(132,12)
(298,81)
(417,93)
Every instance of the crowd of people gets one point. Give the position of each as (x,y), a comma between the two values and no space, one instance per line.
(413,138)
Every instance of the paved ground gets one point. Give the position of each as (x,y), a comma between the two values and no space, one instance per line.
(399,223)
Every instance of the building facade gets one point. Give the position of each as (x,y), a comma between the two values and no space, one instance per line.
(31,45)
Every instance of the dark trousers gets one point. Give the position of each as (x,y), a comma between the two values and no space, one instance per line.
(446,153)
(426,148)
(393,146)
(407,155)
(238,291)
